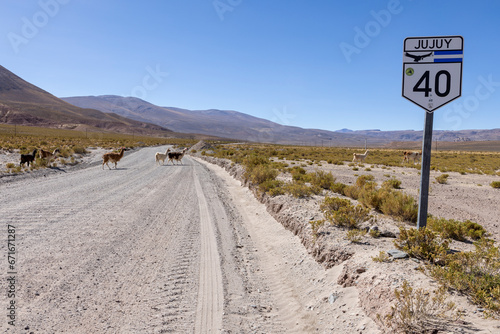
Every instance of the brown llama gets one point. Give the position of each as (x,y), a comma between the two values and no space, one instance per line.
(112,157)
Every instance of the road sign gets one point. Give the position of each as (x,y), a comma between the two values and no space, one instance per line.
(432,77)
(432,70)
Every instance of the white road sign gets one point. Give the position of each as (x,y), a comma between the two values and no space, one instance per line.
(432,70)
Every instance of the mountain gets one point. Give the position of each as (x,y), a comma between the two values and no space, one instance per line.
(24,103)
(437,135)
(344,130)
(233,124)
(221,123)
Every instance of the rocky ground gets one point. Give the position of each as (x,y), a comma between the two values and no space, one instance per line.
(358,279)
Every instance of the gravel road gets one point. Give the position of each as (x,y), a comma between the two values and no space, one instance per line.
(140,249)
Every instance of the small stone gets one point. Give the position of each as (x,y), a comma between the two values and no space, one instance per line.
(387,234)
(333,297)
(397,254)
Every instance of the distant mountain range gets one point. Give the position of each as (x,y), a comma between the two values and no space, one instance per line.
(24,103)
(220,123)
(233,124)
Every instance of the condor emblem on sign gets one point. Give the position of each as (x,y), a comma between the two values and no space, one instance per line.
(432,70)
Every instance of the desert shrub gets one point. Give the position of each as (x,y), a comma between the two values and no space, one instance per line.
(350,216)
(386,200)
(355,235)
(422,244)
(382,257)
(341,212)
(322,179)
(315,225)
(299,174)
(351,191)
(252,161)
(10,165)
(298,189)
(279,165)
(495,184)
(370,196)
(363,179)
(392,183)
(454,229)
(272,187)
(65,152)
(475,273)
(331,204)
(260,173)
(442,179)
(374,233)
(399,205)
(356,190)
(474,230)
(416,311)
(338,188)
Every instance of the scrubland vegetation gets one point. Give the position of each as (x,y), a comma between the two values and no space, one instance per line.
(474,273)
(69,142)
(277,170)
(443,161)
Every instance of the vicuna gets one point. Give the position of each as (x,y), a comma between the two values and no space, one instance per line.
(414,156)
(357,157)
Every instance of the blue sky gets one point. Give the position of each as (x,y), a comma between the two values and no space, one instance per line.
(315,64)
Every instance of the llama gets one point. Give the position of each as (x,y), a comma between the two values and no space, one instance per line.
(176,156)
(27,158)
(48,155)
(112,157)
(161,157)
(414,156)
(357,157)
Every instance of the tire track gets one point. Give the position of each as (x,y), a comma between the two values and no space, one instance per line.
(132,250)
(210,294)
(118,254)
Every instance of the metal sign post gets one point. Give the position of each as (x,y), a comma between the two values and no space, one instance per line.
(432,77)
(425,171)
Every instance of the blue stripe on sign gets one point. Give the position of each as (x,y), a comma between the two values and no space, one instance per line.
(458,52)
(448,60)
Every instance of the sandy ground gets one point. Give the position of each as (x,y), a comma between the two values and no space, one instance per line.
(159,249)
(357,288)
(463,197)
(188,249)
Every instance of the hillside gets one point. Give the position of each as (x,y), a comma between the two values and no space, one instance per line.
(221,123)
(233,124)
(24,103)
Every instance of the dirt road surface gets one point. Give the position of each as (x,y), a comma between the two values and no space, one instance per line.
(157,249)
